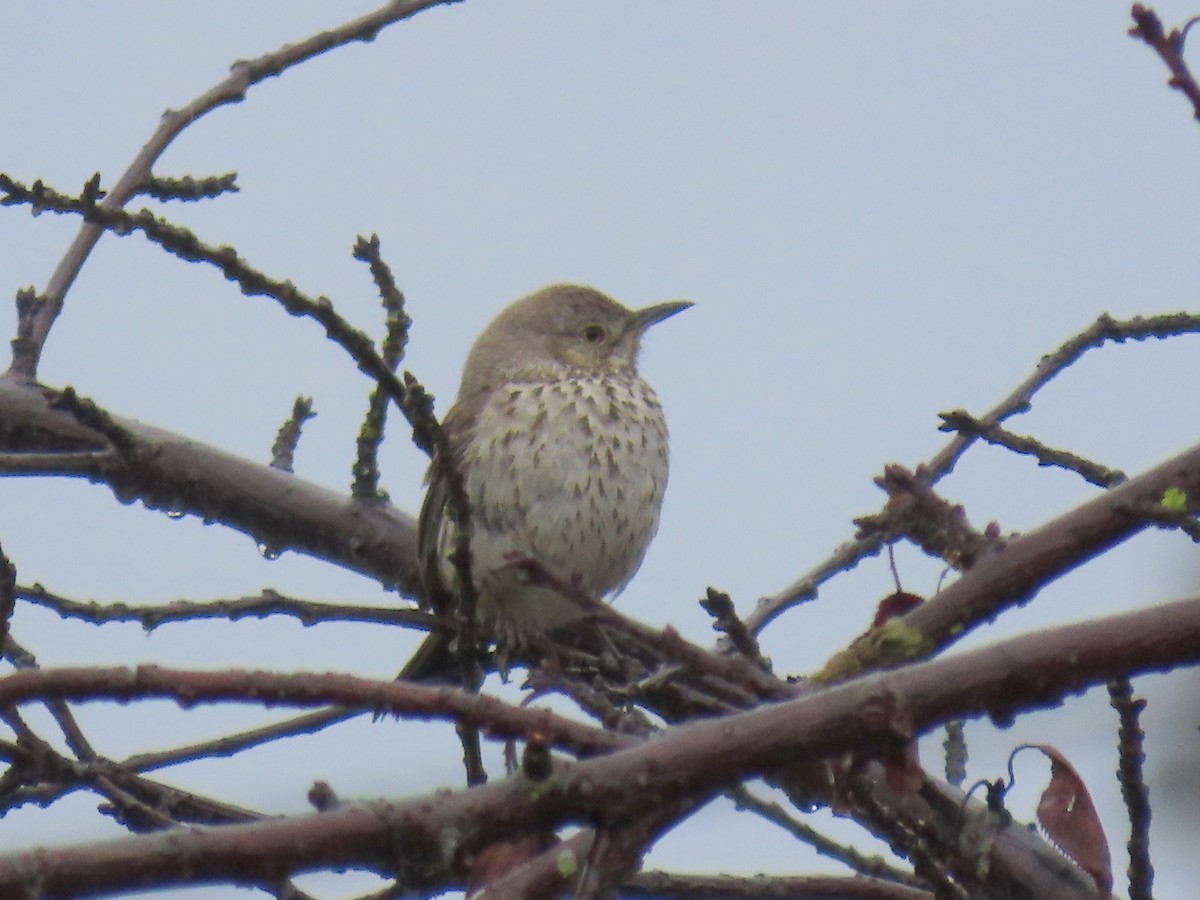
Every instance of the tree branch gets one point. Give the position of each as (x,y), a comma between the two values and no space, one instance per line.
(665,885)
(231,89)
(182,475)
(1011,573)
(307,689)
(1104,330)
(268,603)
(1169,46)
(871,713)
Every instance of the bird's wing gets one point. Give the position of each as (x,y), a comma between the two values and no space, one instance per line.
(434,660)
(431,523)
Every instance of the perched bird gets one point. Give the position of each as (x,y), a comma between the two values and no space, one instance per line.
(563,450)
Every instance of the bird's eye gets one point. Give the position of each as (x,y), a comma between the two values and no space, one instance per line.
(593,334)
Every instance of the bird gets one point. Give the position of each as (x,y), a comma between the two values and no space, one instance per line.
(563,451)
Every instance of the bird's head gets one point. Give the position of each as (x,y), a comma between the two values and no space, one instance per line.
(562,327)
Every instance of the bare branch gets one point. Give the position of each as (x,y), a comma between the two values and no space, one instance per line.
(230,744)
(81,464)
(23,660)
(767,887)
(268,603)
(128,791)
(8,595)
(181,475)
(725,620)
(939,528)
(93,417)
(618,786)
(955,746)
(283,451)
(231,89)
(1012,572)
(24,350)
(1027,563)
(1104,330)
(407,394)
(189,189)
(500,719)
(871,866)
(964,423)
(181,242)
(370,437)
(1133,787)
(1169,47)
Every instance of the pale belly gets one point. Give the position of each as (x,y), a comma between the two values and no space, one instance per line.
(572,477)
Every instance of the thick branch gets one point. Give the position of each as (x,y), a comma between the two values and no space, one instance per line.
(307,689)
(179,474)
(871,713)
(1014,571)
(665,885)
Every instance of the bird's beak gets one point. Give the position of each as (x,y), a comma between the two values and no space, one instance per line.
(652,315)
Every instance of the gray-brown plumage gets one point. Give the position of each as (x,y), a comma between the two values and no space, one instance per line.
(563,450)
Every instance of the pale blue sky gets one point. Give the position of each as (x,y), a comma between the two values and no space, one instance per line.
(881,212)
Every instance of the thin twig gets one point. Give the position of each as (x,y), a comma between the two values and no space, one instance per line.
(668,885)
(955,746)
(871,866)
(231,89)
(370,436)
(1130,740)
(189,189)
(23,660)
(283,451)
(89,414)
(413,400)
(230,744)
(24,349)
(936,526)
(108,777)
(138,803)
(8,595)
(84,464)
(725,620)
(311,689)
(186,245)
(1104,330)
(1169,46)
(268,603)
(962,422)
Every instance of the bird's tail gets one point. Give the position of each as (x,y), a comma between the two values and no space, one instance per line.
(433,663)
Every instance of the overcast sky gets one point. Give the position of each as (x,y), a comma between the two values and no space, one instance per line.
(881,211)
